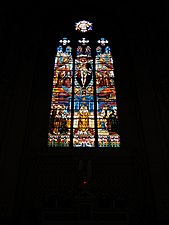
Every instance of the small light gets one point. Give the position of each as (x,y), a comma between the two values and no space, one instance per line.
(84,182)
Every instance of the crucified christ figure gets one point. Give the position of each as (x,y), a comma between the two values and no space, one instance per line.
(84,72)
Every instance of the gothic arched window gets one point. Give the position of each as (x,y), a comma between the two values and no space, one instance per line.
(83,106)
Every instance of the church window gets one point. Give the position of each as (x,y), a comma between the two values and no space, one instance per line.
(83,105)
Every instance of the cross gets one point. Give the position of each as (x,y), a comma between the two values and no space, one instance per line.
(102,41)
(83,41)
(65,41)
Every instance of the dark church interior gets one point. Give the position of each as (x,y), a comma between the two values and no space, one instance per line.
(128,185)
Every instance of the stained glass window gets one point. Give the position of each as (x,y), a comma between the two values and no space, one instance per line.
(83,105)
